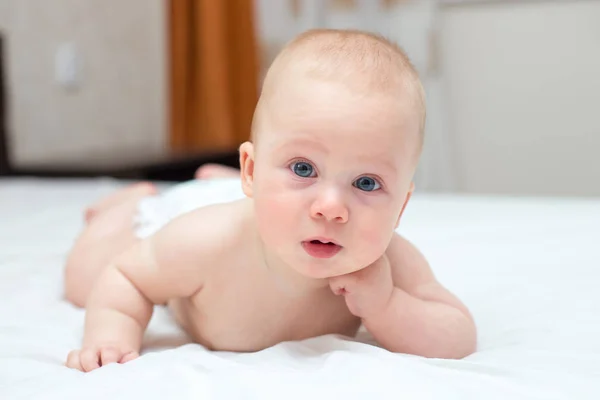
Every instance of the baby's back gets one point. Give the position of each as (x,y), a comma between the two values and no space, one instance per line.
(242,305)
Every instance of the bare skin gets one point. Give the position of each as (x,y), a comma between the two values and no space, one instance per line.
(206,171)
(114,231)
(310,250)
(132,191)
(212,308)
(259,308)
(209,171)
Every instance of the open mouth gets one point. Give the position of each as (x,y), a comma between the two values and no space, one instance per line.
(320,242)
(321,248)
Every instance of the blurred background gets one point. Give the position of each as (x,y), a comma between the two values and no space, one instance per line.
(154,88)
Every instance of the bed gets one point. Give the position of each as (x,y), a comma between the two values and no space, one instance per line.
(528,268)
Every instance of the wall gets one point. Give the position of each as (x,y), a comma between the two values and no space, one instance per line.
(5,13)
(512,87)
(522,87)
(512,95)
(120,102)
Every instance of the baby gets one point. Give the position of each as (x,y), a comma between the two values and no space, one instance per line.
(304,244)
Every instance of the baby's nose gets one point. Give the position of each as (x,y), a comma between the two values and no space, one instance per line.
(331,207)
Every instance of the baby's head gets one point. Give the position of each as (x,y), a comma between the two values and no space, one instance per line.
(337,135)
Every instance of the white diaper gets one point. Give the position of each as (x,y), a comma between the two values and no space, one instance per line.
(156,211)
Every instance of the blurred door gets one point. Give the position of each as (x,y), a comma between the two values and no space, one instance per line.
(213,73)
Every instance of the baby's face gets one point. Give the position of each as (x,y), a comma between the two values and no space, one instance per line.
(332,173)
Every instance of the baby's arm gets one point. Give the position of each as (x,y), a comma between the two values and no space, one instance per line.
(172,263)
(422,317)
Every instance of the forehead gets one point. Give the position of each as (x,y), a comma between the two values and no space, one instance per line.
(338,117)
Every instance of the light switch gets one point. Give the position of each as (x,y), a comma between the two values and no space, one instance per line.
(68,66)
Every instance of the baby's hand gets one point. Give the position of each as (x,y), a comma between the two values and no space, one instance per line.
(367,291)
(90,358)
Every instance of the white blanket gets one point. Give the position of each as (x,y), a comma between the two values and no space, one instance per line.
(529,269)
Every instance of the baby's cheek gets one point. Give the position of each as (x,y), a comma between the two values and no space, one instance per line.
(275,216)
(376,236)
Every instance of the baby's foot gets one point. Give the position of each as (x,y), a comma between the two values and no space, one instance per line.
(135,190)
(88,359)
(211,171)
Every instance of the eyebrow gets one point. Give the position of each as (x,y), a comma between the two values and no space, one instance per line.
(304,143)
(383,162)
(378,160)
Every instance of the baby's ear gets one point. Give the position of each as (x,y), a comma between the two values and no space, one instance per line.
(408,195)
(247,167)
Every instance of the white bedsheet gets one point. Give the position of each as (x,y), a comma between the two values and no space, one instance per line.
(529,269)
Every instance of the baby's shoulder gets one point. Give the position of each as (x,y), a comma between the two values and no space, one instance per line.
(216,220)
(409,266)
(209,230)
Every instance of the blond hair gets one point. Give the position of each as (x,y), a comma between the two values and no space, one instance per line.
(362,60)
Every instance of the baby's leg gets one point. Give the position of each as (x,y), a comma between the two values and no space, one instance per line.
(209,171)
(141,188)
(108,234)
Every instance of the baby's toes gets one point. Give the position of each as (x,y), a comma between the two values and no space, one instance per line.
(89,359)
(73,360)
(109,355)
(132,355)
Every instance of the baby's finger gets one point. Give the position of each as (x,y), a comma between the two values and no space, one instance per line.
(73,360)
(343,284)
(89,359)
(337,285)
(132,355)
(338,290)
(109,355)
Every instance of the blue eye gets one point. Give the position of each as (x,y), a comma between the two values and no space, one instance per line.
(366,184)
(303,169)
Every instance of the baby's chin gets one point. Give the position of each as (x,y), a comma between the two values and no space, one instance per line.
(324,271)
